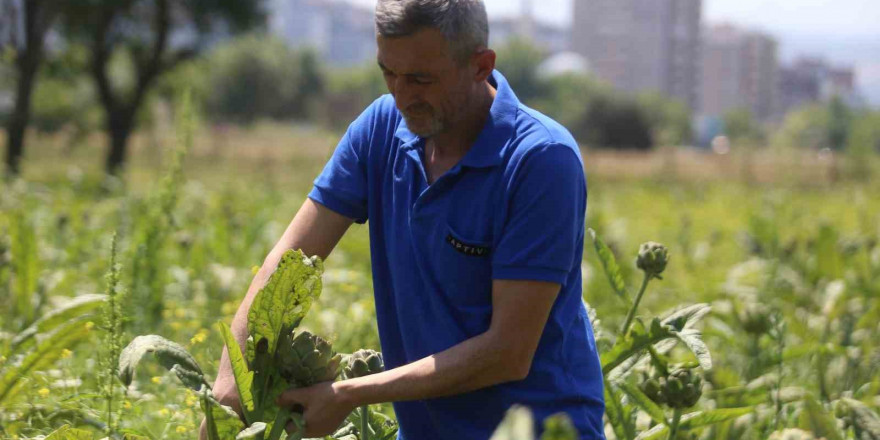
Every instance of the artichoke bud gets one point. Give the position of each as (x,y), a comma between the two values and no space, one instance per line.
(683,388)
(305,359)
(756,319)
(652,258)
(364,363)
(651,388)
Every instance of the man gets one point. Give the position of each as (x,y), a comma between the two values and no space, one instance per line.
(476,206)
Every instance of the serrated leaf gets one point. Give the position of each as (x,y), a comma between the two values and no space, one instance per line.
(609,264)
(252,431)
(619,416)
(818,420)
(692,338)
(244,378)
(864,419)
(67,432)
(637,339)
(281,305)
(696,419)
(643,402)
(50,320)
(44,354)
(166,352)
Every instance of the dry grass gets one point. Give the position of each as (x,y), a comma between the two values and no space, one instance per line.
(276,151)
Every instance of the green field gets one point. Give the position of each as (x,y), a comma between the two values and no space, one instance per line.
(790,265)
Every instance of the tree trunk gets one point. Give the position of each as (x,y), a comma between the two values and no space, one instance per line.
(36,22)
(119,128)
(18,121)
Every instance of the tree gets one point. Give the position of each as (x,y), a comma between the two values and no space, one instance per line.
(670,119)
(518,61)
(36,17)
(153,36)
(741,128)
(263,77)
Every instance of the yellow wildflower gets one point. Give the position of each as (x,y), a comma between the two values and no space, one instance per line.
(164,412)
(126,405)
(65,354)
(90,325)
(181,429)
(192,399)
(199,337)
(44,392)
(157,379)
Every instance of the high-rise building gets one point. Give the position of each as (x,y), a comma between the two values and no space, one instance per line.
(341,32)
(809,80)
(739,70)
(640,45)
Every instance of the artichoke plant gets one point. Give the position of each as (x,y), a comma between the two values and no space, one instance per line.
(304,359)
(652,258)
(364,363)
(679,389)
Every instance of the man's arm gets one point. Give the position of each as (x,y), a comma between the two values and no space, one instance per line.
(316,230)
(503,353)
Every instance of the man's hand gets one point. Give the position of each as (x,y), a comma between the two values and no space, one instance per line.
(325,407)
(315,229)
(502,354)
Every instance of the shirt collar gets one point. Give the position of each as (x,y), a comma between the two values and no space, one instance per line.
(487,149)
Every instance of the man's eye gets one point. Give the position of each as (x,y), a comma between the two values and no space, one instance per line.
(422,81)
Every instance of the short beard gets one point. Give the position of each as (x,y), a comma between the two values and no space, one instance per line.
(434,127)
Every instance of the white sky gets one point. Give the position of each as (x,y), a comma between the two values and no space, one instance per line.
(846,32)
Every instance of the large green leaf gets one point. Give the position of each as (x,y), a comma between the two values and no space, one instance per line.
(817,419)
(67,432)
(692,338)
(630,351)
(281,305)
(642,401)
(44,354)
(244,378)
(52,319)
(638,339)
(221,421)
(696,419)
(170,355)
(609,264)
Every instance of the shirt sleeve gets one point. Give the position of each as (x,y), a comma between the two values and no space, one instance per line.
(545,222)
(342,186)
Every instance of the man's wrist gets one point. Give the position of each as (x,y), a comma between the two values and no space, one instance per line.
(346,392)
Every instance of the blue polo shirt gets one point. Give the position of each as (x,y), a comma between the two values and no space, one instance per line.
(512,208)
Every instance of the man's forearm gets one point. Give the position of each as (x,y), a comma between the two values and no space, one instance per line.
(476,363)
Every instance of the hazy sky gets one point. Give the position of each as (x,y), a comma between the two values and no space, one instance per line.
(847,32)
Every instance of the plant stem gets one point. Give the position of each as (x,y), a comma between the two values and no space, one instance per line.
(632,310)
(365,422)
(673,429)
(280,422)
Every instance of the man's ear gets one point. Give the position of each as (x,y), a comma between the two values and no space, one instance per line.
(484,61)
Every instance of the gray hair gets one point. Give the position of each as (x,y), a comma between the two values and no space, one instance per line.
(463,23)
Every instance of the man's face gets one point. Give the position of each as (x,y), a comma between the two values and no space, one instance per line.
(431,89)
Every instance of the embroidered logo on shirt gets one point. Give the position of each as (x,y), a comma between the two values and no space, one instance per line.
(467,249)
